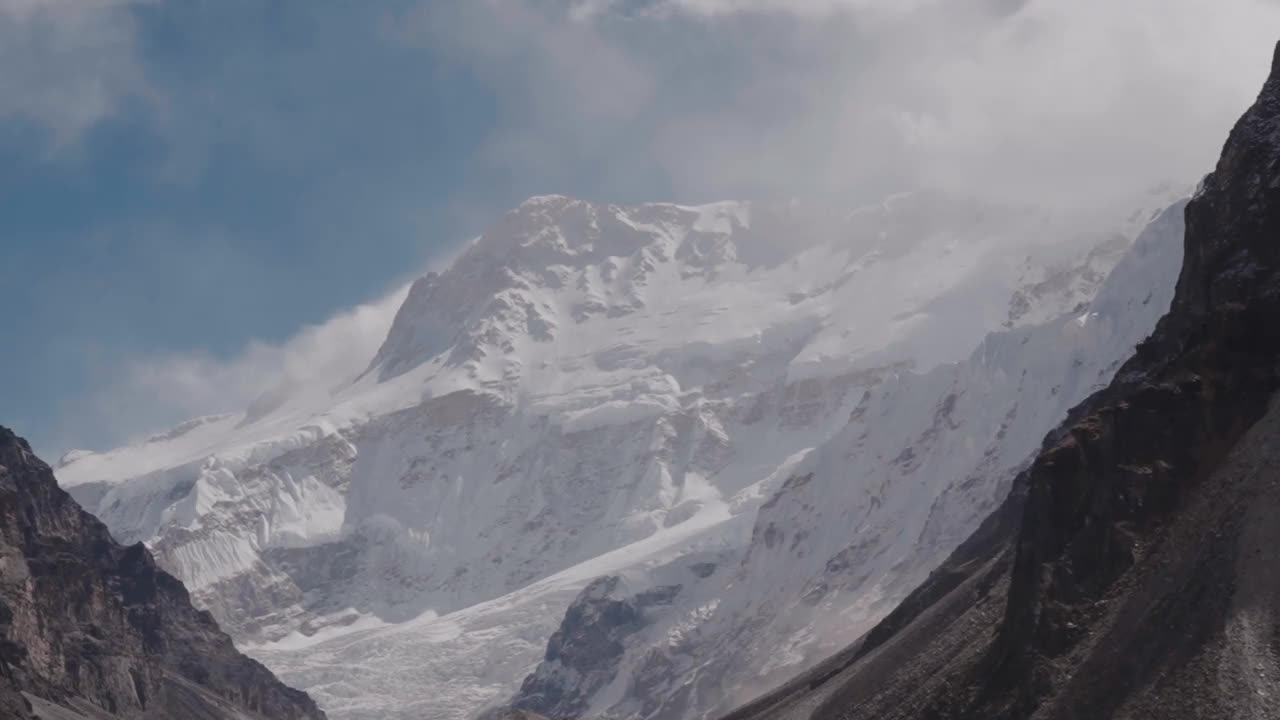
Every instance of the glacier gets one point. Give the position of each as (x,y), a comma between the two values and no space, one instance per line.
(755,425)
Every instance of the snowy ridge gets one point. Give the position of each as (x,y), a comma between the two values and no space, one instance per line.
(863,517)
(591,389)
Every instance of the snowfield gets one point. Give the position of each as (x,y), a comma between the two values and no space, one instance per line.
(767,423)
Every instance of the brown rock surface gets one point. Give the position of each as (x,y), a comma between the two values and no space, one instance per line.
(90,629)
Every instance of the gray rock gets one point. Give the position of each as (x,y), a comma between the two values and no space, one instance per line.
(92,630)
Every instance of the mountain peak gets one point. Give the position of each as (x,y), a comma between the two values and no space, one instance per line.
(551,262)
(558,265)
(10,439)
(1232,255)
(589,389)
(549,202)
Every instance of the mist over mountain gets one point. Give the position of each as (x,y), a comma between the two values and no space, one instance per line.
(696,402)
(957,408)
(1128,574)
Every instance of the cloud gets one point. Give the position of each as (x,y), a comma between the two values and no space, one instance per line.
(136,394)
(567,92)
(65,65)
(732,7)
(1085,100)
(1035,99)
(156,391)
(632,100)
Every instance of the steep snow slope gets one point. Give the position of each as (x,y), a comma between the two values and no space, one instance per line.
(1130,572)
(859,522)
(592,389)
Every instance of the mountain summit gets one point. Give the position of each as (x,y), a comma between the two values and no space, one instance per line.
(675,409)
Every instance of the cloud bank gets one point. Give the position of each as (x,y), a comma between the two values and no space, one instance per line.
(67,64)
(1036,99)
(152,392)
(1041,101)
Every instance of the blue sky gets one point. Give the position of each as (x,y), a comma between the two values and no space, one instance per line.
(279,164)
(184,186)
(270,164)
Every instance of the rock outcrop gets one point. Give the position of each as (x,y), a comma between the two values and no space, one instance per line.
(583,655)
(92,629)
(1131,573)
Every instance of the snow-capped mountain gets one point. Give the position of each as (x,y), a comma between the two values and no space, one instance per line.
(767,422)
(1127,573)
(859,522)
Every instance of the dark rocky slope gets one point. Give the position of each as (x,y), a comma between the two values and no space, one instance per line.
(91,629)
(587,648)
(1133,571)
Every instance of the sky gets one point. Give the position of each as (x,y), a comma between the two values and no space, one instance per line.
(199,198)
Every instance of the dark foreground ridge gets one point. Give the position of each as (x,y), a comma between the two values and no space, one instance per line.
(91,630)
(1132,572)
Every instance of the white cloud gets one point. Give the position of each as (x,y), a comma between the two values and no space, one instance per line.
(153,392)
(566,92)
(65,65)
(1035,100)
(582,9)
(1090,98)
(1042,99)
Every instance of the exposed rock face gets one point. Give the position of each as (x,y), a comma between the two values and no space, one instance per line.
(583,655)
(1131,573)
(93,629)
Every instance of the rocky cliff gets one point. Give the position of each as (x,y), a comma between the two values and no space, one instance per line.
(1131,573)
(93,629)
